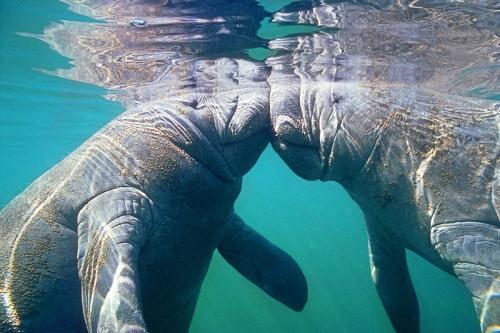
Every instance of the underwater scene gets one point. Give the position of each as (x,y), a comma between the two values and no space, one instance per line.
(305,82)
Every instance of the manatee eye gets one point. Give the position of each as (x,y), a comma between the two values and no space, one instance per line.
(138,23)
(336,98)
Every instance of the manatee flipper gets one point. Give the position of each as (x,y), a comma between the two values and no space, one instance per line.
(474,251)
(112,227)
(392,279)
(261,262)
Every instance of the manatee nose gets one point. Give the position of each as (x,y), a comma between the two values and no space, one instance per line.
(289,129)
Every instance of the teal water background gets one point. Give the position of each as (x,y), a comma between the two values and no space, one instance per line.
(43,118)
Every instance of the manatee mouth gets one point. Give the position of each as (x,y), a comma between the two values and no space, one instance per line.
(250,146)
(300,152)
(303,159)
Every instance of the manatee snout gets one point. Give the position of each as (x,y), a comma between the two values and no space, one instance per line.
(298,137)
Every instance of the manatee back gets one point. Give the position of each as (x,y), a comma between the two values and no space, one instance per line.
(444,149)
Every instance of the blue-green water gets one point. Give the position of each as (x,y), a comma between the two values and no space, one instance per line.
(43,118)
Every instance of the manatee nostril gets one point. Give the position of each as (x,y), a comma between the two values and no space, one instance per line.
(336,99)
(193,104)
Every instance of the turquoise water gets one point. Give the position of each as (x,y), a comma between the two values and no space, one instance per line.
(43,118)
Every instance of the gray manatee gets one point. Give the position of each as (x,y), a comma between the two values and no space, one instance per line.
(383,106)
(133,216)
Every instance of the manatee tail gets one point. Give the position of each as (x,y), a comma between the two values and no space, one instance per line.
(261,262)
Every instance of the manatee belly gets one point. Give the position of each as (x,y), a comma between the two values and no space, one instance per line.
(40,284)
(172,267)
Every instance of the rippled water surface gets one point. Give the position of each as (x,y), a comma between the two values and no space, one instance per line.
(67,68)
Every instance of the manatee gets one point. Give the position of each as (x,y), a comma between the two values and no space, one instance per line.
(133,216)
(118,236)
(396,102)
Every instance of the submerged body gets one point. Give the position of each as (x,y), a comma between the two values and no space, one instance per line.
(423,169)
(430,183)
(390,122)
(135,213)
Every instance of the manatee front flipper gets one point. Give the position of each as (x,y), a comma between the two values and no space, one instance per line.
(392,280)
(261,262)
(473,249)
(112,227)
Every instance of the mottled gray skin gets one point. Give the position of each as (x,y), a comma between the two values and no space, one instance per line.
(131,218)
(423,170)
(391,127)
